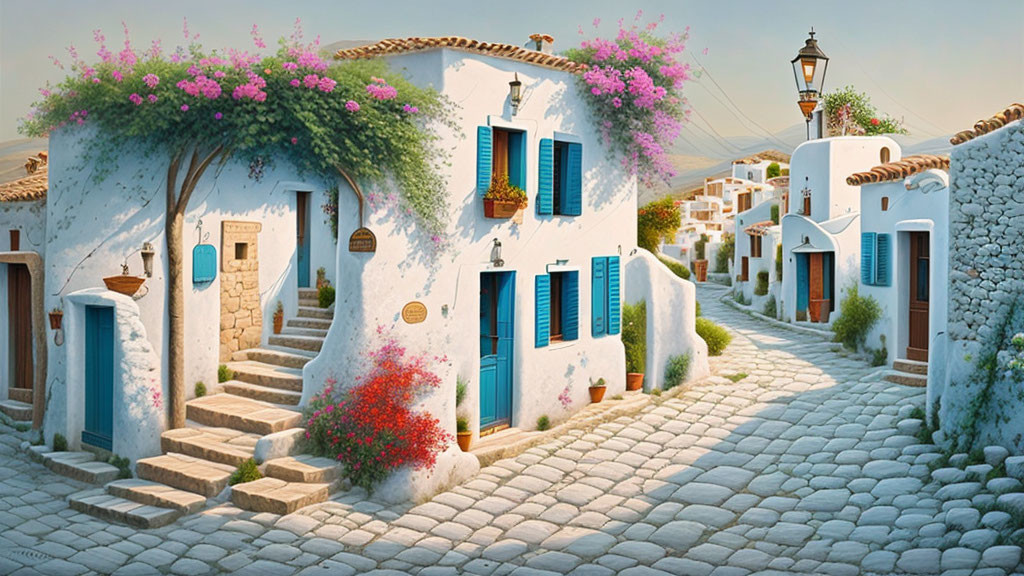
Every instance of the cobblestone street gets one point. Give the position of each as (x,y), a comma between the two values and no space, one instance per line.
(807,464)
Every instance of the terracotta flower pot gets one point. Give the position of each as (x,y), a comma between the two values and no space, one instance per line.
(597,393)
(634,381)
(819,310)
(700,269)
(278,323)
(500,208)
(55,320)
(464,439)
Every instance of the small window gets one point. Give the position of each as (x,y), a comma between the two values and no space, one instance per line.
(755,246)
(241,250)
(883,155)
(807,206)
(509,157)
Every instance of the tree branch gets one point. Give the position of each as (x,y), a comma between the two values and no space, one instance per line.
(172,179)
(355,188)
(195,173)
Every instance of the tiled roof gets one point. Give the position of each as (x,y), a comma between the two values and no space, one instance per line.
(899,169)
(759,228)
(29,188)
(765,156)
(1010,114)
(415,44)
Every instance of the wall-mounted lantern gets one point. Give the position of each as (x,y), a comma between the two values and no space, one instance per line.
(809,68)
(147,259)
(515,93)
(496,254)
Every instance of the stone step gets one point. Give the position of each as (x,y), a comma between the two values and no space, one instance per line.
(267,375)
(316,332)
(910,366)
(81,466)
(20,394)
(304,468)
(245,414)
(313,302)
(311,343)
(221,445)
(263,393)
(315,312)
(17,411)
(308,293)
(109,507)
(157,494)
(914,380)
(316,323)
(277,496)
(186,473)
(291,359)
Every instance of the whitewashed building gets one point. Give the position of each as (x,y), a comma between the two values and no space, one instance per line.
(755,168)
(904,258)
(758,234)
(821,227)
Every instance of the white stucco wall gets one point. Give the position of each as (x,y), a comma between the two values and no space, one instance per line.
(671,318)
(823,166)
(843,240)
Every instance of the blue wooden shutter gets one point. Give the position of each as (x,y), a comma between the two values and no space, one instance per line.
(542,325)
(803,283)
(883,255)
(573,195)
(484,162)
(204,263)
(598,296)
(867,258)
(614,304)
(546,172)
(570,305)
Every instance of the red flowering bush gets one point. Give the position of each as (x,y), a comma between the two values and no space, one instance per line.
(371,428)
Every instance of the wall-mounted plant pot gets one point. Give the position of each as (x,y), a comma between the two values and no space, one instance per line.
(123,284)
(465,439)
(634,381)
(501,208)
(700,269)
(819,310)
(56,318)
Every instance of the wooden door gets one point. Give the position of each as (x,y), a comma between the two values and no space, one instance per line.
(807,206)
(19,324)
(919,285)
(497,319)
(99,377)
(745,269)
(802,283)
(302,237)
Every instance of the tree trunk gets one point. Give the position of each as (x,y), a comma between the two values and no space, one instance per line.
(176,319)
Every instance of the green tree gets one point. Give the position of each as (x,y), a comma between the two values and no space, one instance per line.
(657,221)
(773,170)
(850,111)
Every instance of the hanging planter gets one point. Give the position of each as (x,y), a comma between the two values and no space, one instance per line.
(56,318)
(124,284)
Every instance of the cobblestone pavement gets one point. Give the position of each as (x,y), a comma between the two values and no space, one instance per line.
(808,464)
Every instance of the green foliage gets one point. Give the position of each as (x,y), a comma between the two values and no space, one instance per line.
(775,214)
(778,262)
(617,397)
(716,337)
(246,472)
(726,251)
(461,387)
(676,370)
(918,414)
(656,392)
(309,127)
(739,298)
(858,315)
(700,246)
(737,377)
(200,389)
(657,221)
(224,374)
(761,285)
(697,306)
(325,295)
(502,191)
(880,355)
(676,267)
(462,424)
(330,209)
(60,443)
(22,426)
(543,423)
(123,465)
(773,170)
(771,308)
(863,118)
(634,335)
(599,384)
(785,172)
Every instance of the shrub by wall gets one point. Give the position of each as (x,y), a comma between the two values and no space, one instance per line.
(676,370)
(761,286)
(771,308)
(716,337)
(634,335)
(676,267)
(857,316)
(725,253)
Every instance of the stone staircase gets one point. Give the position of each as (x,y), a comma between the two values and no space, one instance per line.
(18,406)
(909,373)
(253,413)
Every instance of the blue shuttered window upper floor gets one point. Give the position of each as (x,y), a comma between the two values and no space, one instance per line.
(572,197)
(484,159)
(546,176)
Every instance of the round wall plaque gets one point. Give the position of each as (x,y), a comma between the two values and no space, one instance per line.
(362,240)
(414,313)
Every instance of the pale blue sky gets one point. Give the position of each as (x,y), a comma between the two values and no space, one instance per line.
(940,64)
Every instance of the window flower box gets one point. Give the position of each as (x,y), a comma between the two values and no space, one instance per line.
(503,200)
(500,208)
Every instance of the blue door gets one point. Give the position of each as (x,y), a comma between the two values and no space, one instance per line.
(803,282)
(497,330)
(302,239)
(99,377)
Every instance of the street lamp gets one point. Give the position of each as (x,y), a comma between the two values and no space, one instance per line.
(809,68)
(515,93)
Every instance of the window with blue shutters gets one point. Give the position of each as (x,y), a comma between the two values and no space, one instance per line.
(546,176)
(883,256)
(560,179)
(484,160)
(875,259)
(867,258)
(614,296)
(605,314)
(542,318)
(570,305)
(558,307)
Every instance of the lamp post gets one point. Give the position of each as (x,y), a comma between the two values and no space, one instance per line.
(515,93)
(809,69)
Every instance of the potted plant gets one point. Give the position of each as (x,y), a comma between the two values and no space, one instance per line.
(321,278)
(819,310)
(634,340)
(278,318)
(56,317)
(503,200)
(597,390)
(464,434)
(700,265)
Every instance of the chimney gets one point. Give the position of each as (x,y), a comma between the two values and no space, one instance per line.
(541,43)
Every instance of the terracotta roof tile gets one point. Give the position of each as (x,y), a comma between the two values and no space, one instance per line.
(415,44)
(899,169)
(1010,114)
(29,188)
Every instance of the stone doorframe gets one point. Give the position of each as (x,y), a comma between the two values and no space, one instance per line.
(241,317)
(34,262)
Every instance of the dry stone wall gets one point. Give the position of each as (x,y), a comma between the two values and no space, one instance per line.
(983,400)
(241,318)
